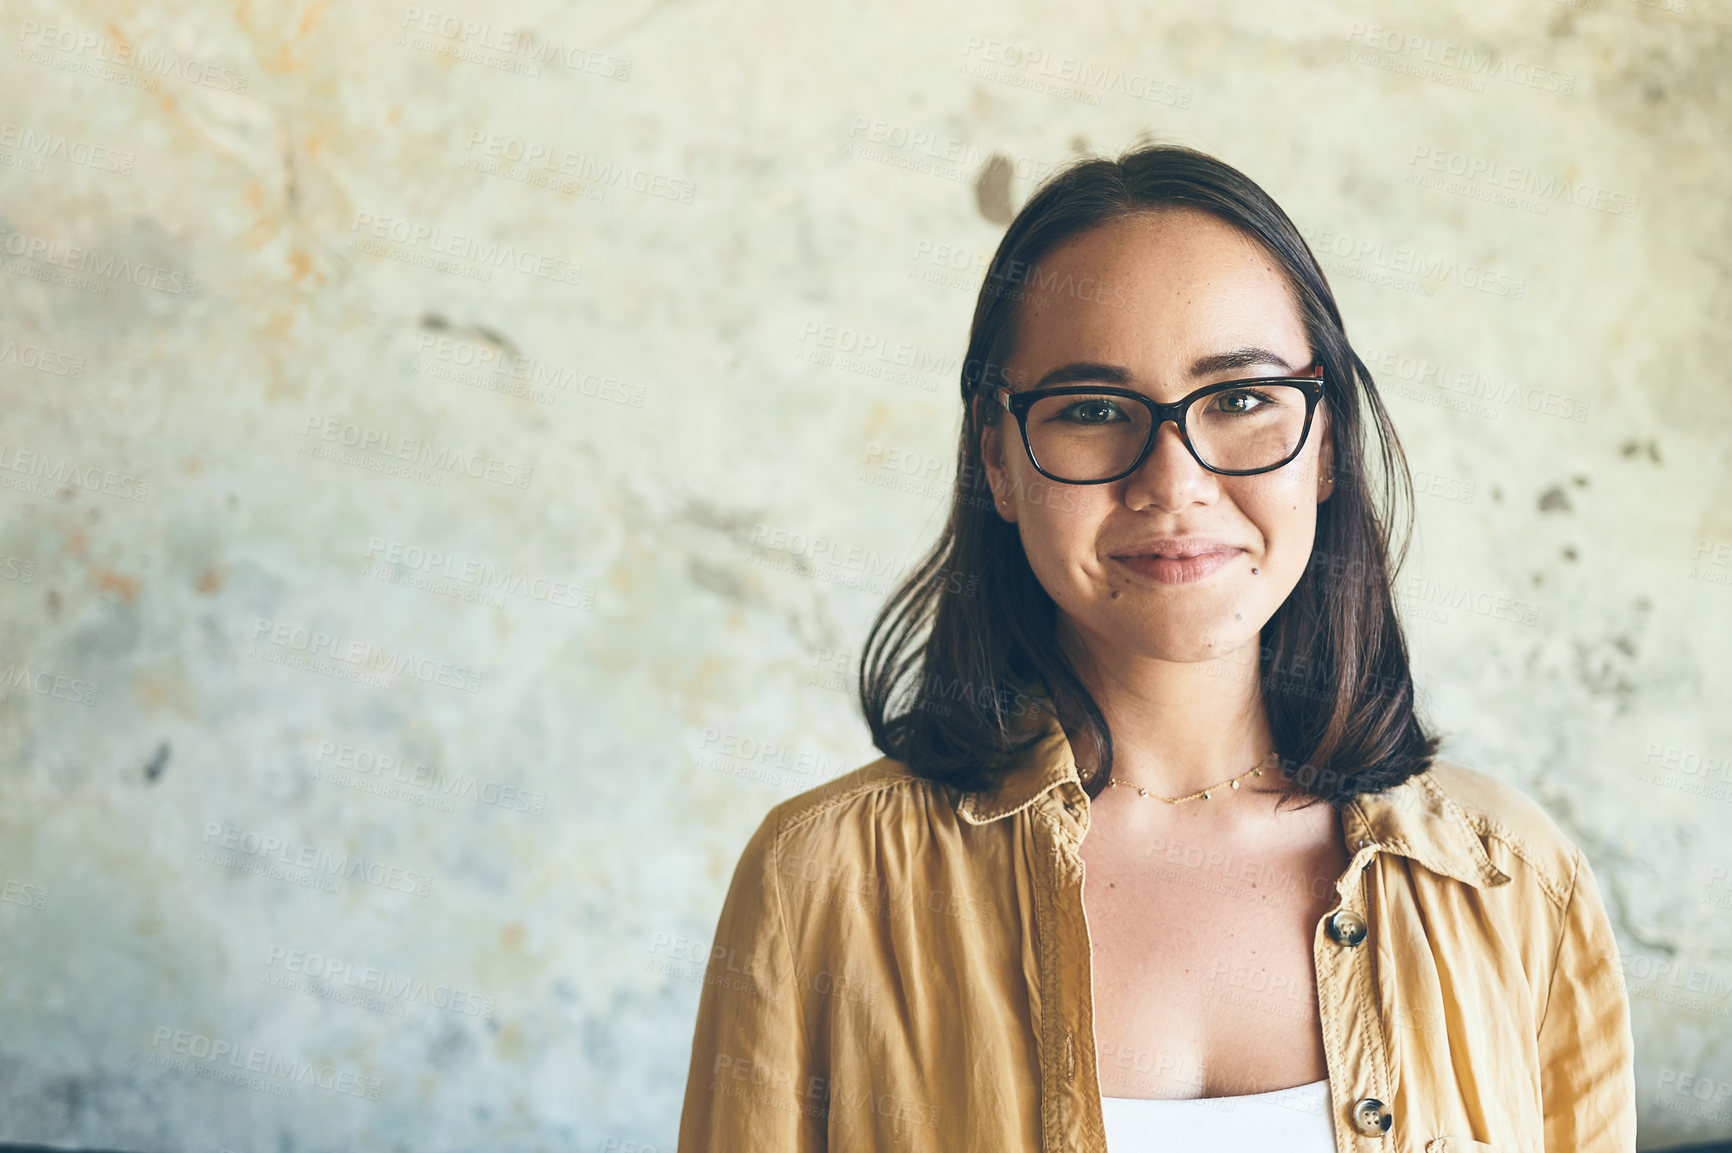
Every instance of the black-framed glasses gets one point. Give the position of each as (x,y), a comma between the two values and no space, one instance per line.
(1093,434)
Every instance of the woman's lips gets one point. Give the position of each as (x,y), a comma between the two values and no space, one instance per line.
(1178,570)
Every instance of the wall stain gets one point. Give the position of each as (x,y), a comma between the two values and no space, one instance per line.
(992,189)
(158,764)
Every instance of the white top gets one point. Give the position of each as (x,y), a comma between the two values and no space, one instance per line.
(1295,1120)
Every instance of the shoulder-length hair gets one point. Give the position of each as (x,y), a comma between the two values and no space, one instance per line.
(962,667)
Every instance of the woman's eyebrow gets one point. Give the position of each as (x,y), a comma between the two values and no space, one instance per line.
(1085,370)
(1239,358)
(1205,366)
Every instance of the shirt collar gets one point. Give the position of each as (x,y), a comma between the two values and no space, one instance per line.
(1415,819)
(1047,765)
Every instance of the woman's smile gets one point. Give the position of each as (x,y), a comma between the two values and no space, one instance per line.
(1179,570)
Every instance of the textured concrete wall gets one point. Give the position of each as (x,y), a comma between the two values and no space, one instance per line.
(450,457)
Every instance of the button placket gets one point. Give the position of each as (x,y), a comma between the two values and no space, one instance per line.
(1067,1001)
(1347,928)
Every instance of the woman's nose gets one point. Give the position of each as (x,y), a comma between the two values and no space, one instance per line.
(1169,477)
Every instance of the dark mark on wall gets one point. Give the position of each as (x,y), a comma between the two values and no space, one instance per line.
(992,190)
(1632,447)
(157,764)
(433,322)
(488,334)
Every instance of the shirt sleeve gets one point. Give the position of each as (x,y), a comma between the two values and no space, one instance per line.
(1587,1052)
(751,1084)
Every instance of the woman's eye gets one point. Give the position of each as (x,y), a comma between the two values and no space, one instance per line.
(1093,411)
(1238,402)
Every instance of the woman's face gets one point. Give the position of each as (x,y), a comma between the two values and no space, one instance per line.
(1154,296)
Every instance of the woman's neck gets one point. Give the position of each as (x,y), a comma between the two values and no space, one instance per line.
(1183,726)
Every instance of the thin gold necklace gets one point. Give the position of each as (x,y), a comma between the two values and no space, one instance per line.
(1256,769)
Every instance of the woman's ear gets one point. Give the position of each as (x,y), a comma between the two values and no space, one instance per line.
(1325,458)
(992,461)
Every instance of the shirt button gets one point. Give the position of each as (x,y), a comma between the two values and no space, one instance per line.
(1372,1118)
(1345,927)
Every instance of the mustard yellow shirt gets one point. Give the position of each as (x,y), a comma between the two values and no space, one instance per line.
(902,966)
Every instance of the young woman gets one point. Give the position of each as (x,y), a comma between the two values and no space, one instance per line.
(1159,856)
